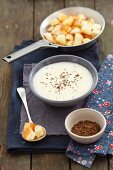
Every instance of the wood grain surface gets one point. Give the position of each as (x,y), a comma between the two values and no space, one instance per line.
(20,20)
(16,24)
(106,39)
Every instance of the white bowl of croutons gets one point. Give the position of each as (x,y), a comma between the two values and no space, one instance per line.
(73,28)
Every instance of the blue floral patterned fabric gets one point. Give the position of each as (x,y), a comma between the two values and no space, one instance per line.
(101,99)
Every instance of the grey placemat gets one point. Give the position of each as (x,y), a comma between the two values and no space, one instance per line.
(52,118)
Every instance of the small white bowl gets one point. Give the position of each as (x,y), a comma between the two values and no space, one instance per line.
(85,114)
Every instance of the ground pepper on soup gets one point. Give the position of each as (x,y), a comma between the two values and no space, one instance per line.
(62,81)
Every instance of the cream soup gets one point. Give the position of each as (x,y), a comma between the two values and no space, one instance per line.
(62,81)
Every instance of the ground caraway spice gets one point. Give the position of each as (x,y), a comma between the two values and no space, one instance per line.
(86,128)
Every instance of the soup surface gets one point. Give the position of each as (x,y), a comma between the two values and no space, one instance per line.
(62,81)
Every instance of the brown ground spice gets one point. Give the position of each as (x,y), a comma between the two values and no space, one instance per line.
(86,128)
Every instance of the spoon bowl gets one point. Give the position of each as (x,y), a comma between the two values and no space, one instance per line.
(36,139)
(22,94)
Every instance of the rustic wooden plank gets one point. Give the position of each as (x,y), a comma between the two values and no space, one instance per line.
(5,87)
(1,155)
(106,40)
(16,24)
(50,162)
(110,162)
(44,8)
(14,161)
(84,3)
(47,161)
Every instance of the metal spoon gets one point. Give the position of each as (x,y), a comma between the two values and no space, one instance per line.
(22,94)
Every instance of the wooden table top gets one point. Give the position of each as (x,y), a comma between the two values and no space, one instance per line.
(20,20)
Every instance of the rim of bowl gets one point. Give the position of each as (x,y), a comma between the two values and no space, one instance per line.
(86,137)
(61,101)
(103,20)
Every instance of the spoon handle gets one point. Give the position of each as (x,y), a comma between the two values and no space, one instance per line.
(22,94)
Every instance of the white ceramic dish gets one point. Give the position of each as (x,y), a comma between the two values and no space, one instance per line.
(85,114)
(63,58)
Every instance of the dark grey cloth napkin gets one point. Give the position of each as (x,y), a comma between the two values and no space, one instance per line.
(52,118)
(52,143)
